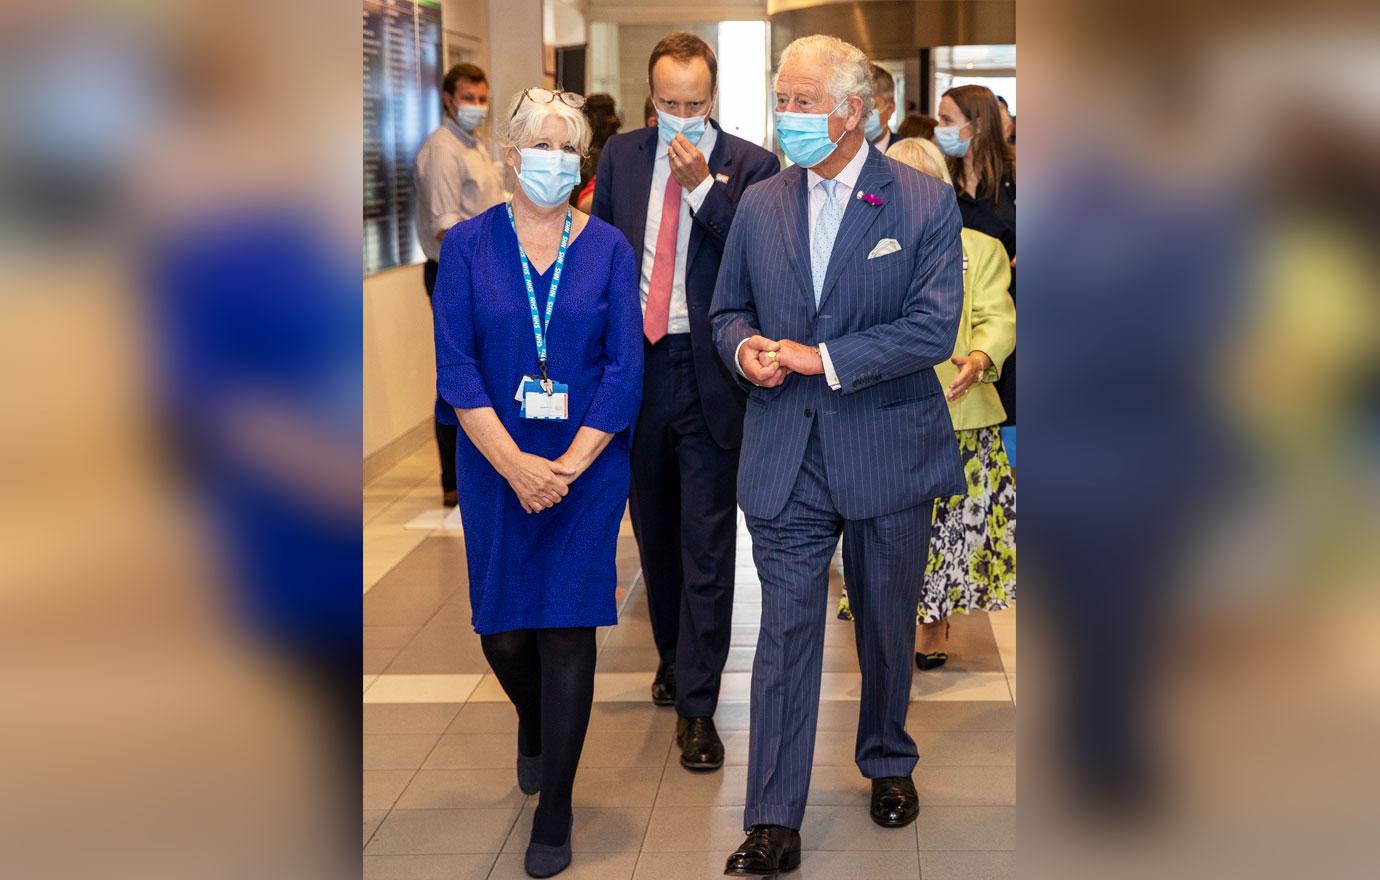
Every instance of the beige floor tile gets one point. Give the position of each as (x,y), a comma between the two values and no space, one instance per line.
(368,680)
(382,787)
(408,717)
(442,831)
(967,828)
(629,749)
(840,786)
(686,865)
(961,715)
(435,867)
(858,866)
(376,660)
(732,715)
(850,828)
(629,717)
(462,790)
(634,658)
(391,636)
(453,688)
(397,751)
(683,788)
(960,686)
(583,866)
(372,820)
(967,747)
(616,786)
(968,865)
(485,718)
(596,829)
(473,751)
(695,829)
(966,786)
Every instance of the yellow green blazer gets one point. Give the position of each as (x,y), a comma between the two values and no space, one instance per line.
(988,325)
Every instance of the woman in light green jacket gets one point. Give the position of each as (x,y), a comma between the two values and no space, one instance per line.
(972,548)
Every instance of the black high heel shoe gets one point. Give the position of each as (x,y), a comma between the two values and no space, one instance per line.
(926,662)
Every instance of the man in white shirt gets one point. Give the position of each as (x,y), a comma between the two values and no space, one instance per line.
(673,191)
(456,179)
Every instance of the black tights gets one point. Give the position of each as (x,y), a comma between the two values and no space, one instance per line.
(549,676)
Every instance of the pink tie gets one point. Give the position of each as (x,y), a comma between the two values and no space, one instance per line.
(663,266)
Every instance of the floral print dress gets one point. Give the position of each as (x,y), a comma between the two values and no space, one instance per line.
(972,548)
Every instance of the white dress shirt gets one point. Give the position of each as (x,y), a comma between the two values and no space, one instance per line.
(456,179)
(678,317)
(847,182)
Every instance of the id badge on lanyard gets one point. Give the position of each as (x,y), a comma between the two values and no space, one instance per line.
(543,398)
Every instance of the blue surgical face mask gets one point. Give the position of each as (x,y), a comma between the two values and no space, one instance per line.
(669,126)
(469,117)
(548,176)
(872,128)
(805,138)
(946,136)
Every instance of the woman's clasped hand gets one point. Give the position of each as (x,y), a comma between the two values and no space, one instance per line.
(539,483)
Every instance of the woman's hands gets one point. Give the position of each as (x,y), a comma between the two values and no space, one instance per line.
(970,370)
(538,483)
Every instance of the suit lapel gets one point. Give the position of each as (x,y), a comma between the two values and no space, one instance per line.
(795,208)
(646,157)
(858,217)
(719,160)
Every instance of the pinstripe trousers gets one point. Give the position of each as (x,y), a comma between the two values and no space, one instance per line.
(884,563)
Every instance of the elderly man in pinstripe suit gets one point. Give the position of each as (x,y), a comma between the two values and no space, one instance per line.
(839,290)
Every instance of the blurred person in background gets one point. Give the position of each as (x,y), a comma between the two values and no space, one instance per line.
(604,123)
(673,192)
(649,113)
(1008,122)
(545,475)
(456,180)
(983,167)
(972,550)
(877,126)
(917,125)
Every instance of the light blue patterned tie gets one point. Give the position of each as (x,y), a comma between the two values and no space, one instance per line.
(826,229)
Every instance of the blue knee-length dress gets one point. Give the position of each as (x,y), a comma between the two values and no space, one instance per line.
(554,568)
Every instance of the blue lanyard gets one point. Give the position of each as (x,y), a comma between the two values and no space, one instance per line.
(538,327)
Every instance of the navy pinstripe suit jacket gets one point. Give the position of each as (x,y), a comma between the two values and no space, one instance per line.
(887,440)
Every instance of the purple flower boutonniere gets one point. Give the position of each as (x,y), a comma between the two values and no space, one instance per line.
(871,199)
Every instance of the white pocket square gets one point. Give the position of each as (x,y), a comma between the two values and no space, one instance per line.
(884,247)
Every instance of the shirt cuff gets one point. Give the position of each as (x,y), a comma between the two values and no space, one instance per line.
(696,196)
(738,362)
(829,374)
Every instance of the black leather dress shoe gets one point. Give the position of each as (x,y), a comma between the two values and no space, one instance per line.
(664,685)
(700,746)
(768,850)
(895,803)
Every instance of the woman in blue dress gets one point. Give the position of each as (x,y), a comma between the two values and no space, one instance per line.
(539,349)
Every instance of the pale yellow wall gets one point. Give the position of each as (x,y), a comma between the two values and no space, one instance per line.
(399,365)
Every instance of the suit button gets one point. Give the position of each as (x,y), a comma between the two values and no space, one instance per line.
(809,412)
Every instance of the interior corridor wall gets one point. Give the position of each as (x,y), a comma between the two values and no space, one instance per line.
(398,354)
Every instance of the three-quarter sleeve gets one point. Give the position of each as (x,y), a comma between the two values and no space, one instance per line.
(458,380)
(619,393)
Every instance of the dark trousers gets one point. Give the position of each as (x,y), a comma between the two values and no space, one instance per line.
(445,433)
(684,506)
(884,564)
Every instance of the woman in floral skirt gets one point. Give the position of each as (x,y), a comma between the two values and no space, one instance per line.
(972,547)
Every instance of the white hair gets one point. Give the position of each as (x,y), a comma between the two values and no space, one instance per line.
(848,72)
(527,116)
(923,155)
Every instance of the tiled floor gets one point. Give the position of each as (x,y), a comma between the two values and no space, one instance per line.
(441,800)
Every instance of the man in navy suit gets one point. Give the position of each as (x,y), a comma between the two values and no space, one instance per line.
(673,191)
(841,288)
